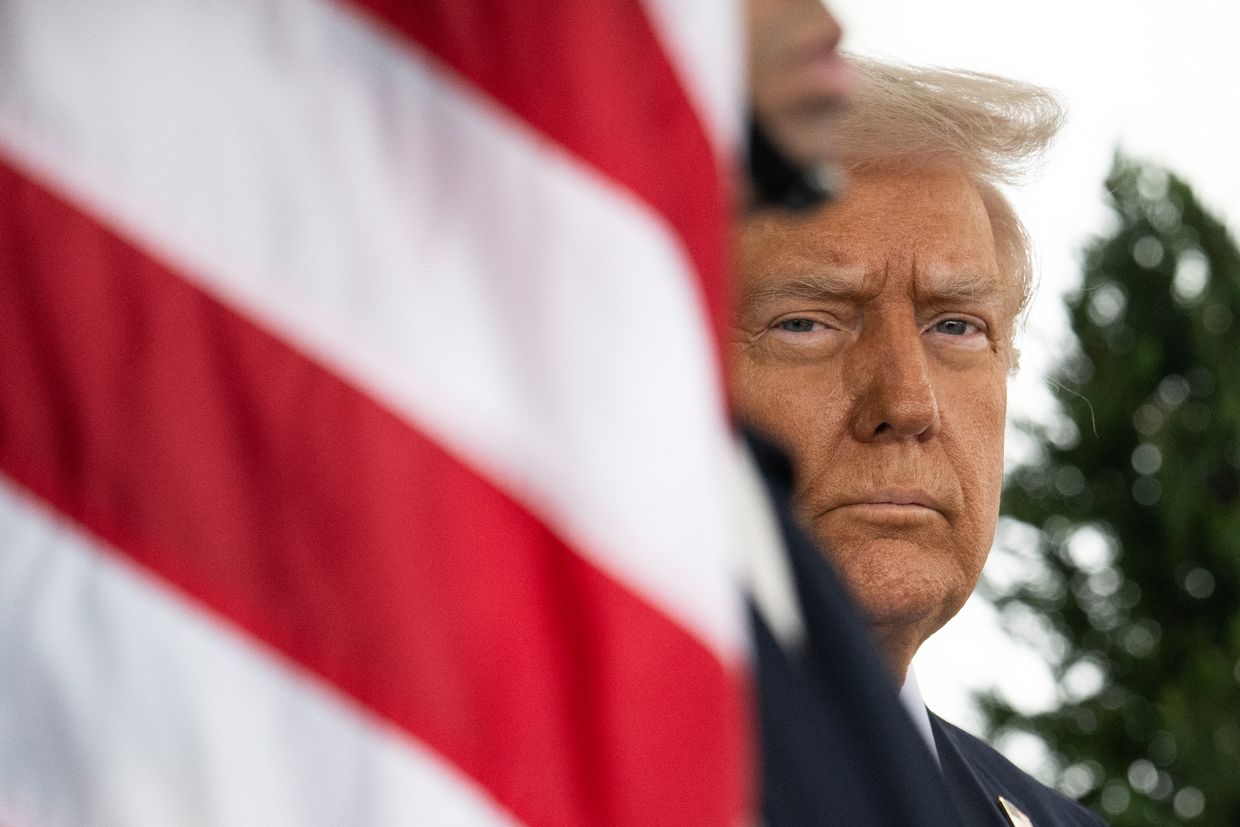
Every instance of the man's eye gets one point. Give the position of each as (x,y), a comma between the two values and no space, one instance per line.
(953,327)
(797,325)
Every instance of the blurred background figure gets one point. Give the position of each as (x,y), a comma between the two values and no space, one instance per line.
(798,81)
(797,84)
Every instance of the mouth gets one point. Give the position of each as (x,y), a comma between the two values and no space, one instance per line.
(902,501)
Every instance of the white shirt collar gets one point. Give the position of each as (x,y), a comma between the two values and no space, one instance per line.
(910,696)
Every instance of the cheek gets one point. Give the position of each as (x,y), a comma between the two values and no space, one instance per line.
(980,449)
(787,404)
(766,398)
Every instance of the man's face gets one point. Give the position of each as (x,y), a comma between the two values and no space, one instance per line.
(873,343)
(797,80)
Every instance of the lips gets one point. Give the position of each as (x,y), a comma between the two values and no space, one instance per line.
(895,498)
(904,497)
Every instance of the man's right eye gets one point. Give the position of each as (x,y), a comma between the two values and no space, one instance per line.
(798,325)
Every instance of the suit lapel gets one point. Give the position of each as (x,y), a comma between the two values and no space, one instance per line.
(975,793)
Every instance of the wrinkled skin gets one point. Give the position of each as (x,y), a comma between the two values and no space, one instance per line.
(873,342)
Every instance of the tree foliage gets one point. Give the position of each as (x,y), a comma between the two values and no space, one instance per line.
(1134,511)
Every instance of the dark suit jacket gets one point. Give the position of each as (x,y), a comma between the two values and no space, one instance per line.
(977,775)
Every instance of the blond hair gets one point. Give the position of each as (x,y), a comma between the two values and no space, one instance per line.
(992,129)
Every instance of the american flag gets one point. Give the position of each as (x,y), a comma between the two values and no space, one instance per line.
(364,456)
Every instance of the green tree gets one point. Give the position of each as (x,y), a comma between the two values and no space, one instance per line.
(1133,507)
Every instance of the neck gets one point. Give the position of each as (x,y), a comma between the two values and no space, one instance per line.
(897,645)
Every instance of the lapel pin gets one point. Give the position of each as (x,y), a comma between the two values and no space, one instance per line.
(1014,814)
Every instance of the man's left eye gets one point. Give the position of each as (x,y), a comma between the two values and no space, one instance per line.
(954,327)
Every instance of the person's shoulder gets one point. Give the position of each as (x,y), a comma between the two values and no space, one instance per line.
(1000,777)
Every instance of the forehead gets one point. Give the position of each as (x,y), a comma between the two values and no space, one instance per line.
(930,222)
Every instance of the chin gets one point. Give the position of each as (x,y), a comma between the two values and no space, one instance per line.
(903,585)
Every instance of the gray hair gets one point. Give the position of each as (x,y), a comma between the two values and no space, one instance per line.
(992,129)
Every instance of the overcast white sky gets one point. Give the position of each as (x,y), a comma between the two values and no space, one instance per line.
(1162,81)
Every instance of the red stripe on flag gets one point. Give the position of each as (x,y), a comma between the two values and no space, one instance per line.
(592,76)
(289,502)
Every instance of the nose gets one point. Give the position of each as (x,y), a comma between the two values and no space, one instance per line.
(831,26)
(893,392)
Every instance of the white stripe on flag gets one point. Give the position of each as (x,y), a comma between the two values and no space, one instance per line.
(696,34)
(322,177)
(121,703)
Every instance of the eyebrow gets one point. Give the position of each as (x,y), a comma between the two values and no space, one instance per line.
(957,286)
(816,285)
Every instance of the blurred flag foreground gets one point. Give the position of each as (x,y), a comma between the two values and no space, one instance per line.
(363,450)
